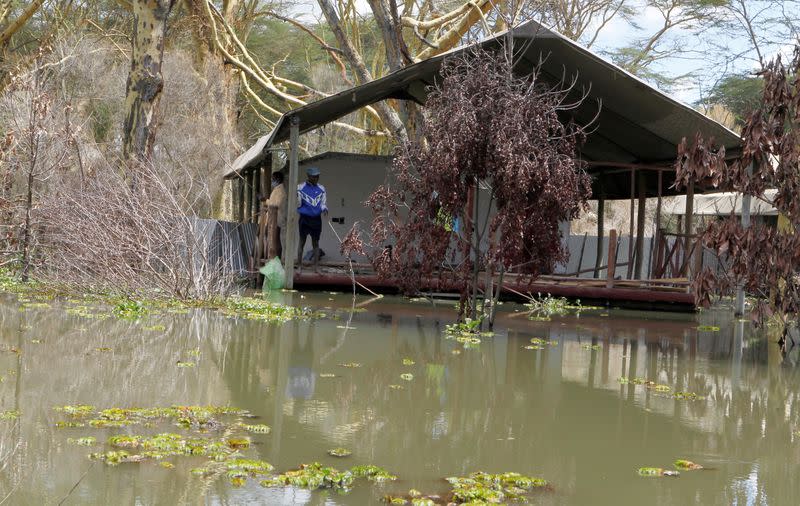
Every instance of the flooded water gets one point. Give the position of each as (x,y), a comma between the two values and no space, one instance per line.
(560,413)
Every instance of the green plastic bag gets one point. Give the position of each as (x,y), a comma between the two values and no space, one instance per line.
(274,275)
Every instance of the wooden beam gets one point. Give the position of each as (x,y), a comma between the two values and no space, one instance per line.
(292,234)
(657,235)
(640,226)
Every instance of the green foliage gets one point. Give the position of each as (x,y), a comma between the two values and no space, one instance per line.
(739,93)
(652,472)
(372,473)
(129,309)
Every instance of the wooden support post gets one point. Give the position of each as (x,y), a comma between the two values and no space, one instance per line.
(601,211)
(291,197)
(612,257)
(640,226)
(248,203)
(738,308)
(630,232)
(580,257)
(256,193)
(657,235)
(240,187)
(688,229)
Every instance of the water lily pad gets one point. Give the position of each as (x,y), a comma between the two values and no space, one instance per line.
(396,387)
(708,328)
(339,452)
(533,347)
(407,376)
(351,365)
(181,363)
(408,361)
(327,375)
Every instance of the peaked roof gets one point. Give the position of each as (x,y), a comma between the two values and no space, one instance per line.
(636,124)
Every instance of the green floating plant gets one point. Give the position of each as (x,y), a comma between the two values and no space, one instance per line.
(408,361)
(480,487)
(686,465)
(9,415)
(83,441)
(258,428)
(339,452)
(372,473)
(708,328)
(407,376)
(656,472)
(593,347)
(312,476)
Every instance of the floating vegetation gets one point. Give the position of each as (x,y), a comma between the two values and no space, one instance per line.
(351,365)
(34,305)
(592,347)
(481,488)
(407,376)
(541,342)
(129,309)
(456,352)
(327,375)
(181,363)
(190,417)
(258,428)
(339,452)
(114,458)
(687,396)
(238,443)
(466,329)
(553,306)
(9,415)
(313,476)
(77,411)
(103,349)
(167,465)
(83,441)
(194,352)
(258,309)
(396,387)
(345,327)
(686,465)
(372,473)
(656,472)
(64,425)
(708,328)
(533,347)
(408,361)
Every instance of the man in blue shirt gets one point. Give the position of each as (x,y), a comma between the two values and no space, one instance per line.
(312,203)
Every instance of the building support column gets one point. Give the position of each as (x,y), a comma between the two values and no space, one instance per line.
(640,225)
(292,234)
(601,212)
(746,199)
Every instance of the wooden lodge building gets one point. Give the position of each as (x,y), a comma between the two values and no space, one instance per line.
(630,155)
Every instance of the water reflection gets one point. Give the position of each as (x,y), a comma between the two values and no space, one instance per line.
(559,412)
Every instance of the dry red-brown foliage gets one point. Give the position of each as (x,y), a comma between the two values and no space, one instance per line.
(488,128)
(762,259)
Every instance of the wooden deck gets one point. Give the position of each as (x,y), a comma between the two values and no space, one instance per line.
(671,294)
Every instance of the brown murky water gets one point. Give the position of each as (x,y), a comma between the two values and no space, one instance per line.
(560,413)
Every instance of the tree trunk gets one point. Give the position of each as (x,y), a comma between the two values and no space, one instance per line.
(388,115)
(145,80)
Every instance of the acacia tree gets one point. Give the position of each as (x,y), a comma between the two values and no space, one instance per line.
(765,261)
(145,80)
(494,136)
